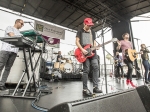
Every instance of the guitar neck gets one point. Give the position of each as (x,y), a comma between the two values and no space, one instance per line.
(138,53)
(105,43)
(94,48)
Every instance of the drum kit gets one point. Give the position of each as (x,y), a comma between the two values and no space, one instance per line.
(70,65)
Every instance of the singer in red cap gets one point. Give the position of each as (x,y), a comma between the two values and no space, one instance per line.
(84,37)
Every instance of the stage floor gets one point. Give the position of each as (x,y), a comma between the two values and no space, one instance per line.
(62,91)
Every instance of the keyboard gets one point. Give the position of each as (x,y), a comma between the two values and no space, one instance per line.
(18,41)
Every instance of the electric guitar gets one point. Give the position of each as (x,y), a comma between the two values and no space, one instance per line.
(81,57)
(131,54)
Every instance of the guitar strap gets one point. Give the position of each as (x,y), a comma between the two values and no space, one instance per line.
(91,38)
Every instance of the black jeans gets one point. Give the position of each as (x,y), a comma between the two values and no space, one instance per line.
(130,68)
(118,70)
(6,60)
(146,65)
(86,70)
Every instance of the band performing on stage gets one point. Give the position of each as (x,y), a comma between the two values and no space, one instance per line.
(82,63)
(83,60)
(74,56)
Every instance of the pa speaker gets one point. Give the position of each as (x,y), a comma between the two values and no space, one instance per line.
(124,101)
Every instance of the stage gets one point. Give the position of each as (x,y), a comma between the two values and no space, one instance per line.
(62,91)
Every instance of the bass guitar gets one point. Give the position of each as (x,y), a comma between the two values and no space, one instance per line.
(81,57)
(131,54)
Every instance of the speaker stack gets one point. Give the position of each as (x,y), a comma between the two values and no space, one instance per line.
(131,100)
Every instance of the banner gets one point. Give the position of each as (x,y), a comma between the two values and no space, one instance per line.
(50,30)
(51,40)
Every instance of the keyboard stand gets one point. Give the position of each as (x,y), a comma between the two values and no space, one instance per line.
(26,71)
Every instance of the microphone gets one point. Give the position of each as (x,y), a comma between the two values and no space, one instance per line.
(28,22)
(136,38)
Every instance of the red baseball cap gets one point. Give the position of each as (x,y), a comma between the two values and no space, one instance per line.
(88,21)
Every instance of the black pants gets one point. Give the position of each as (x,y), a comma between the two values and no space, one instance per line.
(118,70)
(86,70)
(6,60)
(130,68)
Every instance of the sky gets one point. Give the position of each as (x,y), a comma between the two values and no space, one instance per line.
(141,30)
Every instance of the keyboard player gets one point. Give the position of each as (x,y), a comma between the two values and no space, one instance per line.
(8,53)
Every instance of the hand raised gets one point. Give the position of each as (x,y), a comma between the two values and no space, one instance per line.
(119,43)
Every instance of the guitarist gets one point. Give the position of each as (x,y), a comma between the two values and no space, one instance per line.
(126,44)
(86,36)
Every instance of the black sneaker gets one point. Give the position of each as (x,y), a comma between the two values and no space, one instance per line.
(138,78)
(87,92)
(147,82)
(97,90)
(3,88)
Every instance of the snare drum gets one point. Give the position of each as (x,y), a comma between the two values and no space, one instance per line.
(66,67)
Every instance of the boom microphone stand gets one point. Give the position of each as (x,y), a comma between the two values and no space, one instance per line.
(140,59)
(102,35)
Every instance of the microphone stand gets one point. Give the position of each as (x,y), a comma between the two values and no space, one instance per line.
(45,90)
(102,35)
(140,58)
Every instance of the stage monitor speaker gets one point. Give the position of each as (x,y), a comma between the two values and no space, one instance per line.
(144,93)
(133,100)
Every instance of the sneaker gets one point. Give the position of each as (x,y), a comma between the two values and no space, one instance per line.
(138,78)
(87,92)
(97,90)
(132,84)
(147,82)
(119,78)
(127,81)
(3,88)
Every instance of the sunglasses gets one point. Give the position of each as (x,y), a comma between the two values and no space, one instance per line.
(21,23)
(89,25)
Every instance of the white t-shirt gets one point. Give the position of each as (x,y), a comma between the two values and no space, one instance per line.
(8,47)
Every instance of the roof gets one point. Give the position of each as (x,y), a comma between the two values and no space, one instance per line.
(71,13)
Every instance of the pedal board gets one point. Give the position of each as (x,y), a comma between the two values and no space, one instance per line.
(45,90)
